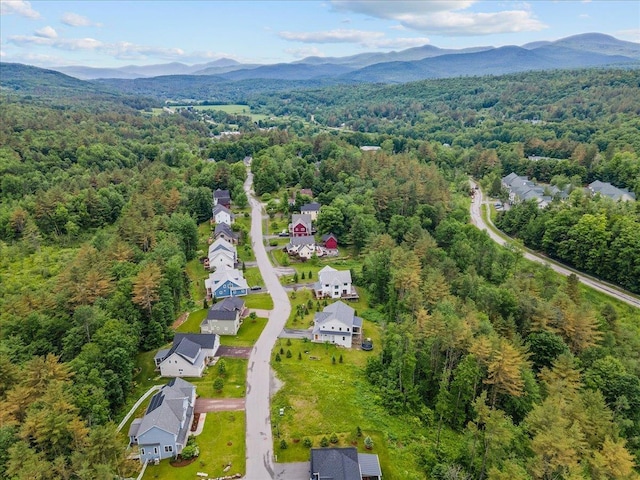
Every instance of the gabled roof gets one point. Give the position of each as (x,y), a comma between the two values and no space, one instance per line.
(339,311)
(221,276)
(189,346)
(221,194)
(310,207)
(221,208)
(223,228)
(327,236)
(230,304)
(611,191)
(303,218)
(304,240)
(221,315)
(331,276)
(335,464)
(167,410)
(221,243)
(369,465)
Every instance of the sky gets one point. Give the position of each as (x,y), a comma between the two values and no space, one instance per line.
(143,32)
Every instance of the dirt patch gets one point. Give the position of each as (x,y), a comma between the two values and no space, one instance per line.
(204,405)
(179,462)
(180,320)
(234,352)
(194,424)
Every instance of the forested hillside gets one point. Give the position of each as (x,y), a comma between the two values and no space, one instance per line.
(98,214)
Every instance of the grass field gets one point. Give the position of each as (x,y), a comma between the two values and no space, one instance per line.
(259,300)
(320,398)
(234,380)
(248,334)
(221,443)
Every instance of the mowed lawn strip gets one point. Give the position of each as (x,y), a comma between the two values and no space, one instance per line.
(320,398)
(248,333)
(260,301)
(221,442)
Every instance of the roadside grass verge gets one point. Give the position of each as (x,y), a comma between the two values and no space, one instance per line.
(248,333)
(262,301)
(253,277)
(221,443)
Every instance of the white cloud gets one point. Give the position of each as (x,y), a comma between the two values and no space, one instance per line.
(333,36)
(130,51)
(304,52)
(445,17)
(18,7)
(631,35)
(584,15)
(75,20)
(368,39)
(46,32)
(61,43)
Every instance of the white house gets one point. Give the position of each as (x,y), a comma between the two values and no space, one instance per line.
(188,356)
(163,430)
(334,283)
(304,247)
(311,209)
(337,324)
(222,253)
(222,214)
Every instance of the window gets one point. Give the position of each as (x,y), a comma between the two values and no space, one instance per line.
(347,329)
(343,339)
(168,448)
(340,328)
(142,451)
(155,449)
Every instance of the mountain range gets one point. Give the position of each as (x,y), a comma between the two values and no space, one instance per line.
(585,50)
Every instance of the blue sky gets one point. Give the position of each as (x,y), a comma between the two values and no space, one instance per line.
(116,33)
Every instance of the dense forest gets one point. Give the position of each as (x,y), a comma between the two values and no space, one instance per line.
(514,372)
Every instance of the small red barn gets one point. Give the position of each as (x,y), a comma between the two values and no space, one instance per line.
(330,241)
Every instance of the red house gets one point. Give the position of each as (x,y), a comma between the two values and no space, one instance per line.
(300,225)
(330,241)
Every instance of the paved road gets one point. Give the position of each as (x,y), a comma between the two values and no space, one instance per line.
(259,438)
(478,221)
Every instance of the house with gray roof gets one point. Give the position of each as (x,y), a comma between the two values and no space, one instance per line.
(312,209)
(224,317)
(222,214)
(222,255)
(224,232)
(163,430)
(222,197)
(337,324)
(188,356)
(300,225)
(614,193)
(303,247)
(334,283)
(344,464)
(521,189)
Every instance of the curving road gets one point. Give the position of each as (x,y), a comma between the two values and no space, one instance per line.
(478,221)
(259,438)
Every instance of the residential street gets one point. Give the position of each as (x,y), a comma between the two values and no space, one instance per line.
(478,221)
(259,439)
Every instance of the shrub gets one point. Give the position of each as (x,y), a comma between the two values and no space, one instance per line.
(340,360)
(288,353)
(222,366)
(307,442)
(190,451)
(283,444)
(324,442)
(334,438)
(288,342)
(368,443)
(218,384)
(358,431)
(278,357)
(299,356)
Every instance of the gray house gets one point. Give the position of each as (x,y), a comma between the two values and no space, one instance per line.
(163,431)
(224,231)
(225,317)
(344,464)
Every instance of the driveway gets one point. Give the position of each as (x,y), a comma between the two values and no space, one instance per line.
(292,471)
(204,405)
(296,333)
(233,352)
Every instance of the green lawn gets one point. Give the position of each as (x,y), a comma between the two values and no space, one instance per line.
(248,334)
(302,297)
(234,380)
(320,398)
(259,300)
(221,443)
(253,277)
(245,253)
(192,325)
